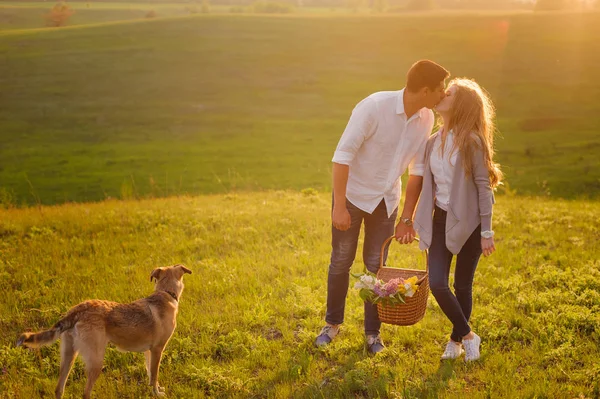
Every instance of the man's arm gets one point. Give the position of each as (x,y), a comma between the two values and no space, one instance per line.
(361,125)
(406,233)
(340,216)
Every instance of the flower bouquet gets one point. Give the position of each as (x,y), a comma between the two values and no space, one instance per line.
(393,292)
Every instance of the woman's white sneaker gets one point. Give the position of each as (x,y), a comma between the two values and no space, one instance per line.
(472,348)
(453,350)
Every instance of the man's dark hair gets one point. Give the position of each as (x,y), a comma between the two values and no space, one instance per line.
(425,73)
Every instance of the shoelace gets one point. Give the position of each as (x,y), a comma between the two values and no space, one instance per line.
(372,341)
(327,331)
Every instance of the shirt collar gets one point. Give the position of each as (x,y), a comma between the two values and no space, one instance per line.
(400,102)
(400,105)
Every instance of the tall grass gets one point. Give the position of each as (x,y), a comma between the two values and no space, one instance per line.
(252,308)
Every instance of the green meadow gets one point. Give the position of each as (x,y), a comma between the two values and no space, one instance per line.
(128,143)
(256,299)
(215,103)
(21,15)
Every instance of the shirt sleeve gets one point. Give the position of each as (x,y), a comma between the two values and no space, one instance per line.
(417,164)
(481,177)
(361,126)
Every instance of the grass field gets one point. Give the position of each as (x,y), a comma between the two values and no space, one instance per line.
(246,110)
(209,104)
(252,308)
(21,15)
(30,15)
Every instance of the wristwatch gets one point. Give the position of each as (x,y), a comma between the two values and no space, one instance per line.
(487,234)
(406,221)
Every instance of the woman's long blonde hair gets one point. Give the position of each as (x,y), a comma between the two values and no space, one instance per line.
(472,116)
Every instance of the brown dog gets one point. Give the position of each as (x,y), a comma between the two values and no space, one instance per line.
(145,325)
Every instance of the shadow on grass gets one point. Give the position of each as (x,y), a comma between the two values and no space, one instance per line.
(327,372)
(432,385)
(351,372)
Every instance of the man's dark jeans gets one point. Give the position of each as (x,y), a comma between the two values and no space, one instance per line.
(378,227)
(458,306)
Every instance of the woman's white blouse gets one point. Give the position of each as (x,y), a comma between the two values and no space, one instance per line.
(442,168)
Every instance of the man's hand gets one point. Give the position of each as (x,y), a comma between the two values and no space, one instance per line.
(487,246)
(405,234)
(340,218)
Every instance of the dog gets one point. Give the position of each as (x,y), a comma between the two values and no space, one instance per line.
(145,325)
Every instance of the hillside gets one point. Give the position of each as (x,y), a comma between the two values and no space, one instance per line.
(207,104)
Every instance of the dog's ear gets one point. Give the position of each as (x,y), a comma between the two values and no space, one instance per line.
(156,273)
(182,270)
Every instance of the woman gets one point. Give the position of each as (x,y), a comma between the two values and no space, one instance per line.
(457,189)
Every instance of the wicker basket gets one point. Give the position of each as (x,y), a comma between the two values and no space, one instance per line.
(409,313)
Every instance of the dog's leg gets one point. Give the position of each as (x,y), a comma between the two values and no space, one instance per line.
(147,362)
(148,356)
(67,357)
(93,368)
(92,351)
(155,356)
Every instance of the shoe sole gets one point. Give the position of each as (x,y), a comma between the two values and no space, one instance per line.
(322,344)
(368,349)
(452,358)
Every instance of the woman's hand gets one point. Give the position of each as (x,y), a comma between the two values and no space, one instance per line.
(487,246)
(340,217)
(405,234)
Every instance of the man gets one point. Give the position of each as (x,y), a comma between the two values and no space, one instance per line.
(386,133)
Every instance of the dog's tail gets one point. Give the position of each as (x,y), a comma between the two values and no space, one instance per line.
(47,337)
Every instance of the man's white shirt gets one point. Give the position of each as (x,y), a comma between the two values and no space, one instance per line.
(378,145)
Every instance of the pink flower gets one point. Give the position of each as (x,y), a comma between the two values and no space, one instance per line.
(388,289)
(379,289)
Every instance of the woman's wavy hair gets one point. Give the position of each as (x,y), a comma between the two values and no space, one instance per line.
(472,123)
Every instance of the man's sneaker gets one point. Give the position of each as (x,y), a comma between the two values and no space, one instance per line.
(453,351)
(374,344)
(472,348)
(327,334)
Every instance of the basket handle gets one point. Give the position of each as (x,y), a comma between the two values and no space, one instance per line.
(425,253)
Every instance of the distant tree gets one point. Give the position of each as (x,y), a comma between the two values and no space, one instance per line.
(555,5)
(379,5)
(191,9)
(59,15)
(355,5)
(421,5)
(485,4)
(272,7)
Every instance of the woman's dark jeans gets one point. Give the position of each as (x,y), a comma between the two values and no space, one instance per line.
(457,306)
(378,227)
